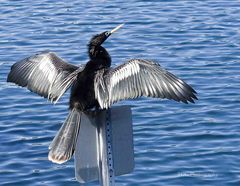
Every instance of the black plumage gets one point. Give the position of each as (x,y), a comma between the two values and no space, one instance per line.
(94,85)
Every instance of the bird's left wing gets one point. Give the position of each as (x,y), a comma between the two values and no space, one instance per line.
(138,78)
(45,74)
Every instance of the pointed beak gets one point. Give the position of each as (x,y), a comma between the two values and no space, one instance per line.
(115,29)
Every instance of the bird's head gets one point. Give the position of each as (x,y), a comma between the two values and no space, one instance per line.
(98,39)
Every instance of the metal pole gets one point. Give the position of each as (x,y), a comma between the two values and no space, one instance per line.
(105,156)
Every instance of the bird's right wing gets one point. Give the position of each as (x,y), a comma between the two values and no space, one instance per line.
(45,74)
(137,78)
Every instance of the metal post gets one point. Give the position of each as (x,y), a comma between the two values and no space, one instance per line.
(105,156)
(105,146)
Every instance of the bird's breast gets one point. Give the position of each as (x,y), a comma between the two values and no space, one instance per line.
(82,92)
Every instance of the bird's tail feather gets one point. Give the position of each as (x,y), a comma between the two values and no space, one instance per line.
(63,145)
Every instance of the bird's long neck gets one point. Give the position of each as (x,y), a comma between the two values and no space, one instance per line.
(99,57)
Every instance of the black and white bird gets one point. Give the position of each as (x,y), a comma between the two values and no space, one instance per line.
(94,86)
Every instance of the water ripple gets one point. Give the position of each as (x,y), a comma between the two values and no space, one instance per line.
(175,144)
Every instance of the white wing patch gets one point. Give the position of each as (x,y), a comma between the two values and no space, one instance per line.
(124,72)
(138,78)
(45,74)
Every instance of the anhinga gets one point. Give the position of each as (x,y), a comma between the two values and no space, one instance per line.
(94,85)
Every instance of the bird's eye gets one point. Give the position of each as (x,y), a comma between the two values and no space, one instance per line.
(107,33)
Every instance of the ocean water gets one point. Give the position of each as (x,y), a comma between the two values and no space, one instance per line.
(174,143)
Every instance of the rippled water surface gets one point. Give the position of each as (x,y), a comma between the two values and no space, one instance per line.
(175,144)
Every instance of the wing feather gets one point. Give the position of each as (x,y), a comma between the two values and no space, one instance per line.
(45,74)
(138,78)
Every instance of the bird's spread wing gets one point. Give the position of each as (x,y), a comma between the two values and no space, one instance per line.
(45,74)
(138,78)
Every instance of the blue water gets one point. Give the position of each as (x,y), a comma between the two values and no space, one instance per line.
(175,144)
